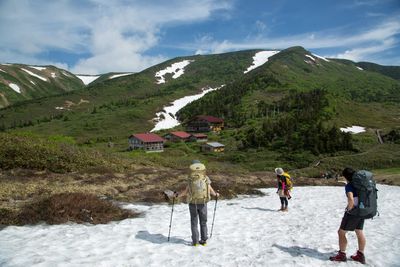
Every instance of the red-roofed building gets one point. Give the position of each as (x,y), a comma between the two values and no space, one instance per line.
(149,142)
(205,123)
(178,136)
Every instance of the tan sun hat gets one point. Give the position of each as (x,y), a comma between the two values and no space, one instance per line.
(279,171)
(197,166)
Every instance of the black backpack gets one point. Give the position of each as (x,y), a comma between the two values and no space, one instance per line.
(365,186)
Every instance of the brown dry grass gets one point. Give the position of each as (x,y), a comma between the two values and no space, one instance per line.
(66,207)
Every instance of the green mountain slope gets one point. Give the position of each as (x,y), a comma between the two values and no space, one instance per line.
(391,71)
(20,82)
(286,112)
(119,106)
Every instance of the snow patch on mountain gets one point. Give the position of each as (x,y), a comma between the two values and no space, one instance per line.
(119,75)
(310,57)
(166,119)
(53,75)
(260,58)
(15,87)
(38,68)
(327,60)
(359,68)
(353,129)
(248,231)
(3,71)
(86,79)
(66,74)
(32,82)
(34,74)
(177,69)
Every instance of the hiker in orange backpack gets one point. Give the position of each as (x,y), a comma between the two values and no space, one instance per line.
(284,187)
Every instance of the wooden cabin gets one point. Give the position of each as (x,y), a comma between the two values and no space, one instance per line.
(178,136)
(199,137)
(149,142)
(204,123)
(212,147)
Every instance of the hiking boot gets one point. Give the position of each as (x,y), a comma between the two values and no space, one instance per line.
(340,256)
(195,244)
(359,256)
(203,242)
(285,209)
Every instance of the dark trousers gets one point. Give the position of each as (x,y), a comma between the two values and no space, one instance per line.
(284,201)
(198,213)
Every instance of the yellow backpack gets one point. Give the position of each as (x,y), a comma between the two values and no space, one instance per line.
(289,183)
(198,188)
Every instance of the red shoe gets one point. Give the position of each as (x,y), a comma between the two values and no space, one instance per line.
(340,256)
(359,256)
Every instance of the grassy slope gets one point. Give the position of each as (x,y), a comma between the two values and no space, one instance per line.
(117,119)
(33,87)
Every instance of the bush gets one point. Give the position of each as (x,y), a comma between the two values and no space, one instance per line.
(72,207)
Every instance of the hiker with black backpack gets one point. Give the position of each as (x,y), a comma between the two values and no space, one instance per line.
(284,187)
(198,191)
(362,197)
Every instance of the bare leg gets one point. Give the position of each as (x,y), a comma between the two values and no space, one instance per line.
(342,240)
(361,240)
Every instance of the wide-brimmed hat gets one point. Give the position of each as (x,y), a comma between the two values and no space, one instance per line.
(279,171)
(197,166)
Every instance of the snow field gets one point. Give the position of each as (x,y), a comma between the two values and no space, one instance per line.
(353,129)
(120,75)
(86,79)
(177,69)
(260,58)
(248,231)
(15,87)
(169,112)
(34,74)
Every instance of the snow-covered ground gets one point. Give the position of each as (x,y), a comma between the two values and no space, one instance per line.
(3,71)
(169,121)
(86,79)
(120,75)
(323,58)
(353,129)
(248,231)
(34,74)
(359,68)
(15,87)
(177,69)
(38,68)
(260,58)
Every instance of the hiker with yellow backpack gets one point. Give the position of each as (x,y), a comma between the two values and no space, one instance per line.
(198,191)
(284,186)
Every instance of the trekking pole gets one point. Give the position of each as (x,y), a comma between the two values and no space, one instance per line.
(172,212)
(215,209)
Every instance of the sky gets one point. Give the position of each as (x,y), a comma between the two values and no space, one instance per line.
(99,36)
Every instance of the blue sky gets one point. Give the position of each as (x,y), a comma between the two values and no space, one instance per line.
(98,36)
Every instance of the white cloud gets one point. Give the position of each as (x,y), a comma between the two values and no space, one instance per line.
(364,43)
(115,33)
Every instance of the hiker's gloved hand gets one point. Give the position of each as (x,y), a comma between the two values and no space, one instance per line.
(216,194)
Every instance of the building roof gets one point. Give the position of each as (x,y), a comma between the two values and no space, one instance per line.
(182,135)
(210,118)
(215,144)
(199,135)
(148,137)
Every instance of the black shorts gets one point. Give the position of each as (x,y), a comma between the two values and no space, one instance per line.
(351,223)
